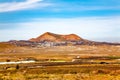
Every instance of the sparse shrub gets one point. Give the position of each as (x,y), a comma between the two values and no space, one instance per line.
(17,66)
(102,72)
(103,63)
(8,60)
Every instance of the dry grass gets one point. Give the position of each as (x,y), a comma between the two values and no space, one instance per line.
(73,72)
(64,72)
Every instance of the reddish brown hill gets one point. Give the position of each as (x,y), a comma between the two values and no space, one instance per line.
(56,37)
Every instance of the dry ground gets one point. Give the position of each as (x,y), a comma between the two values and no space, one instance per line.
(66,53)
(63,72)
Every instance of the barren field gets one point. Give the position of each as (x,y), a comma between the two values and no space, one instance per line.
(66,53)
(64,72)
(56,63)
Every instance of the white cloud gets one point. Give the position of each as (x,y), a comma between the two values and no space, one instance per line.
(94,28)
(83,8)
(13,6)
(57,7)
(87,5)
(98,8)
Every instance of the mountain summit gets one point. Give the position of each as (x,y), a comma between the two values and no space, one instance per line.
(48,36)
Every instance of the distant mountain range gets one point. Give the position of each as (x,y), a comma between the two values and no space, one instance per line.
(51,39)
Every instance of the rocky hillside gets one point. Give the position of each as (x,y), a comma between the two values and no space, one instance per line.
(51,39)
(56,37)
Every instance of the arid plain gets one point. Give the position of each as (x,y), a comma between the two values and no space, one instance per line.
(60,62)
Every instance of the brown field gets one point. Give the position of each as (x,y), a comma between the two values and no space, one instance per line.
(58,55)
(64,72)
(60,52)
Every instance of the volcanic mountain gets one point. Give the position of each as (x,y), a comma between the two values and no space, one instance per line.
(51,39)
(48,36)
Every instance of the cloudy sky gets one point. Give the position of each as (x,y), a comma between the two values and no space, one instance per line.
(91,19)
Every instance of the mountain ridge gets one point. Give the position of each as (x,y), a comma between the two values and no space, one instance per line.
(52,39)
(48,36)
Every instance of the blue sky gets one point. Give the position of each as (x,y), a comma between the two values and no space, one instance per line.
(91,19)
